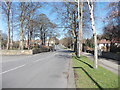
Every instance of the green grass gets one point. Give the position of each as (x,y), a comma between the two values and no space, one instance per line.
(88,77)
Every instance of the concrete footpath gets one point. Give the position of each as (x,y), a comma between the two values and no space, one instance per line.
(109,64)
(71,80)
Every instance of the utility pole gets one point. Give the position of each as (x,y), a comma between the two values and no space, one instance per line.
(91,7)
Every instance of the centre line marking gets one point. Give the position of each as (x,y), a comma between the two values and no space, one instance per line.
(13,69)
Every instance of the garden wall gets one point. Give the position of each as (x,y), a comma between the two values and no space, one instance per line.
(109,55)
(23,52)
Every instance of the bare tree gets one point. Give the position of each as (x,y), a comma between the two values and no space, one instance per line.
(22,8)
(80,18)
(44,28)
(112,29)
(6,6)
(69,15)
(12,26)
(32,8)
(91,8)
(71,20)
(27,10)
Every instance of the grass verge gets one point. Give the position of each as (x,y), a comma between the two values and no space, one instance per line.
(88,77)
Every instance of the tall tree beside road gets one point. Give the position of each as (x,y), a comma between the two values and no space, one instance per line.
(112,29)
(6,7)
(31,14)
(80,20)
(13,22)
(71,23)
(44,28)
(27,11)
(22,7)
(91,8)
(69,15)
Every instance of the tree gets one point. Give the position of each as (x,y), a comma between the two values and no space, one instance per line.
(13,23)
(112,30)
(91,8)
(89,43)
(44,28)
(22,7)
(3,39)
(80,18)
(68,13)
(67,42)
(31,13)
(26,15)
(71,22)
(6,6)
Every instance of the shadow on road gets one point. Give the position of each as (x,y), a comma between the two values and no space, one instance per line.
(64,56)
(66,51)
(89,76)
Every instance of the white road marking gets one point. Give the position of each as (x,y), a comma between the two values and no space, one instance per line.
(25,64)
(13,69)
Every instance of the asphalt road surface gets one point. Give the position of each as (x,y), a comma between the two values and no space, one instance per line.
(43,70)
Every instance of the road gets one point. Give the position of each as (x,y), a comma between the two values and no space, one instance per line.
(43,70)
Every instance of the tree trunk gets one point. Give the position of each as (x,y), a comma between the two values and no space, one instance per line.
(81,26)
(8,7)
(8,39)
(48,41)
(21,46)
(28,43)
(41,34)
(75,36)
(80,17)
(94,34)
(44,38)
(75,46)
(31,32)
(11,45)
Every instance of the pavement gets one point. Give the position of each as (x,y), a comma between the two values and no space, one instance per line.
(43,70)
(109,64)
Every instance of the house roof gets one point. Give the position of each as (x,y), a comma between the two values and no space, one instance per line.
(115,40)
(103,41)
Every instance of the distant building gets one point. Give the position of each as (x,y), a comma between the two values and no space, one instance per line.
(33,43)
(50,43)
(104,45)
